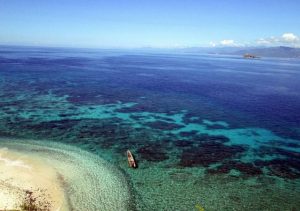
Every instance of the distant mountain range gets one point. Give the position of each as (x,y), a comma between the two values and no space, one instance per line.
(280,52)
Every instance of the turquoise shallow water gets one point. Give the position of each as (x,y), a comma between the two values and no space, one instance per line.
(217,132)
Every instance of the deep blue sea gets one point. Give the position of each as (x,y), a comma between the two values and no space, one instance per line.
(209,132)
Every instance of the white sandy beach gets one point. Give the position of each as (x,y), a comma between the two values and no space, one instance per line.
(66,176)
(19,172)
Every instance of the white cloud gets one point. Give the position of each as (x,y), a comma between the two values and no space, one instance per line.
(227,42)
(290,37)
(213,44)
(286,38)
(263,41)
(274,39)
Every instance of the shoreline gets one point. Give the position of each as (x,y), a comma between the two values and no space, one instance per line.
(21,174)
(64,175)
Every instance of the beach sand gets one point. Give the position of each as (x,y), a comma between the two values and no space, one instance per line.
(20,173)
(67,177)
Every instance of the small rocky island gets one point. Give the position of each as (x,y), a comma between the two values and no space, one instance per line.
(250,56)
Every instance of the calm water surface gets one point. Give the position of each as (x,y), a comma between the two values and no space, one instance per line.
(217,132)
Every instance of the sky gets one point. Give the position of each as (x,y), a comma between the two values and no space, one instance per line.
(149,23)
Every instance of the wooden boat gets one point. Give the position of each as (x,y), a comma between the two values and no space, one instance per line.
(131,160)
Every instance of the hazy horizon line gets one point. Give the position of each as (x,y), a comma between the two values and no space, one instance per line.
(141,47)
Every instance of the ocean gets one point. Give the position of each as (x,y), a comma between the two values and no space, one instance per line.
(209,132)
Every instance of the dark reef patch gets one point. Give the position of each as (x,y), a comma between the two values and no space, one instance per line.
(63,124)
(247,169)
(188,133)
(132,109)
(161,125)
(215,127)
(284,168)
(280,143)
(209,153)
(163,118)
(64,115)
(222,169)
(136,117)
(275,151)
(284,171)
(152,152)
(183,143)
(107,143)
(190,119)
(205,138)
(83,98)
(285,165)
(286,144)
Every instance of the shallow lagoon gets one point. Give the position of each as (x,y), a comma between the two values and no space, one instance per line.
(212,131)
